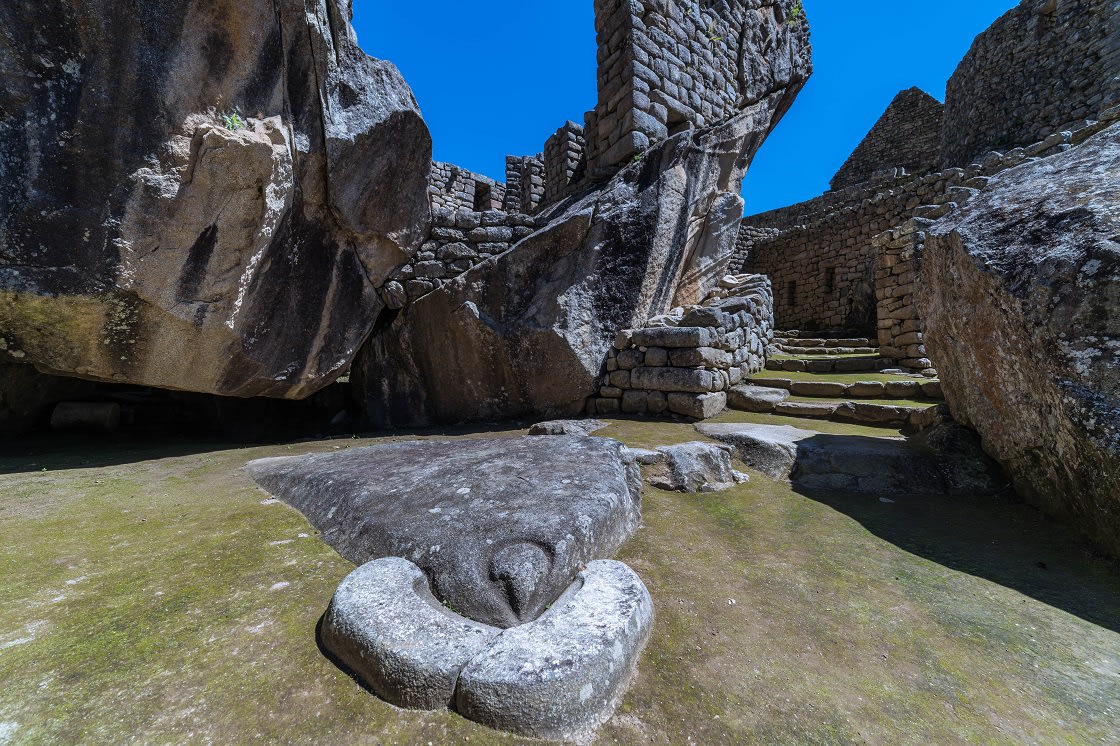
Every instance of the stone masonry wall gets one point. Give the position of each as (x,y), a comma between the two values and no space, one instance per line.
(524,184)
(1041,68)
(459,239)
(686,368)
(871,234)
(667,64)
(564,161)
(907,136)
(452,187)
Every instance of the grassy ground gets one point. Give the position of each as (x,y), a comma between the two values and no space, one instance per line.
(152,594)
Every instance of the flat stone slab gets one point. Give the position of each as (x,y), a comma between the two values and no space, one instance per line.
(501,526)
(559,676)
(945,461)
(755,398)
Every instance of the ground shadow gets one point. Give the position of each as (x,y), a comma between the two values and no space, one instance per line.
(996,538)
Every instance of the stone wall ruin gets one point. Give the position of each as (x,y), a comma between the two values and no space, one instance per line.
(844,260)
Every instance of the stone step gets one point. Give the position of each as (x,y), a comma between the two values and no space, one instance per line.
(768,400)
(831,365)
(806,342)
(827,350)
(857,390)
(833,334)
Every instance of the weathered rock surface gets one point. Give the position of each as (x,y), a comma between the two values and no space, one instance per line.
(526,332)
(695,467)
(941,461)
(386,627)
(559,676)
(501,526)
(750,398)
(144,239)
(567,427)
(562,675)
(1020,291)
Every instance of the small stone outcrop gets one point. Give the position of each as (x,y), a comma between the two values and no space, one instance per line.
(1020,288)
(501,526)
(692,467)
(201,196)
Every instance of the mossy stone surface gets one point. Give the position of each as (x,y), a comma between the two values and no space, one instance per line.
(153,594)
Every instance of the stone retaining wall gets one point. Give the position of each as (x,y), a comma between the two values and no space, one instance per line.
(839,244)
(687,369)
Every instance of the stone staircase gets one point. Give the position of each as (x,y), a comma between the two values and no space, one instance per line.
(837,376)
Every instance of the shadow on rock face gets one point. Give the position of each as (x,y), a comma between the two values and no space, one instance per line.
(501,527)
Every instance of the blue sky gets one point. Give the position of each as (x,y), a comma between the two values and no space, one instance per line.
(498,77)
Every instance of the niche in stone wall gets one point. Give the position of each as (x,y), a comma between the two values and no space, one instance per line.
(483,197)
(829,280)
(791,293)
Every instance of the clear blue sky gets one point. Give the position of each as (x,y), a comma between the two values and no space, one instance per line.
(498,77)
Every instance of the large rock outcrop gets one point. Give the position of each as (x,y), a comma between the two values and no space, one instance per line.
(147,235)
(527,332)
(1020,291)
(501,526)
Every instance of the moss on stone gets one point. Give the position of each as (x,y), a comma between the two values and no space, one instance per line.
(154,593)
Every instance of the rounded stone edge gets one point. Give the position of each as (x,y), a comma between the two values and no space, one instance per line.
(563,675)
(386,628)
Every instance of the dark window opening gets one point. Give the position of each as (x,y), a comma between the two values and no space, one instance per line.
(791,293)
(829,280)
(483,197)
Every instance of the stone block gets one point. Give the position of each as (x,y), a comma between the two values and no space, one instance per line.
(697,406)
(693,357)
(635,402)
(673,336)
(673,379)
(630,359)
(656,357)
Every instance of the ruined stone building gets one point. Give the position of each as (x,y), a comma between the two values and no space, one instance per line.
(846,259)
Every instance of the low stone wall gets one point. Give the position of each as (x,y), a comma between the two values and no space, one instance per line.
(459,239)
(686,369)
(452,187)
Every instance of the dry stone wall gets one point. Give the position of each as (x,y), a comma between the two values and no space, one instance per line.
(564,161)
(1043,67)
(524,183)
(459,240)
(869,247)
(686,363)
(454,188)
(666,65)
(907,136)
